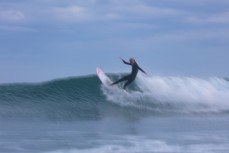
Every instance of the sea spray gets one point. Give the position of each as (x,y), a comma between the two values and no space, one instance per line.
(175,94)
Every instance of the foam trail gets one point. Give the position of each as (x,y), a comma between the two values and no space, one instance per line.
(183,94)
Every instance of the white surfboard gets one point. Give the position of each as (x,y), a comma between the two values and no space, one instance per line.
(106,80)
(103,77)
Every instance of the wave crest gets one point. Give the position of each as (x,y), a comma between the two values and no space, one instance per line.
(175,94)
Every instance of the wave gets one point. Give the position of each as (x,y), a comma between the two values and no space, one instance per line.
(176,94)
(85,98)
(69,98)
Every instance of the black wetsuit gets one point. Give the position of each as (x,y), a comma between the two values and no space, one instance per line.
(130,78)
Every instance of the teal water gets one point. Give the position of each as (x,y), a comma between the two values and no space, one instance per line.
(78,114)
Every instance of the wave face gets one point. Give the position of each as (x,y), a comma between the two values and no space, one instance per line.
(85,98)
(65,99)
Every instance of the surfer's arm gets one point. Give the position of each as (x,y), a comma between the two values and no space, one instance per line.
(125,62)
(142,70)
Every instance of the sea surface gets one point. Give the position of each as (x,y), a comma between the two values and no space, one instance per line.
(157,114)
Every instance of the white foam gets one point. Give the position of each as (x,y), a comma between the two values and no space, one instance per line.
(188,94)
(141,145)
(131,145)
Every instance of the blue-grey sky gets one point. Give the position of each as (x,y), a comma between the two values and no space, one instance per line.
(47,39)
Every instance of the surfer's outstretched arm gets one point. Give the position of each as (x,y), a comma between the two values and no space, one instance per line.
(125,62)
(142,70)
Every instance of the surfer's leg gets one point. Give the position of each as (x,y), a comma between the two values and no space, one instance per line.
(120,80)
(128,82)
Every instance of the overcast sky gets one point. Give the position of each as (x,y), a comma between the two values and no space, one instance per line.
(47,39)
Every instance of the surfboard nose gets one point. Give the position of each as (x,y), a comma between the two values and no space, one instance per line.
(98,70)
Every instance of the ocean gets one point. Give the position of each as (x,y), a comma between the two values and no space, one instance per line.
(157,114)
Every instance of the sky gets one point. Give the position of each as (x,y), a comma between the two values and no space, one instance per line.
(41,40)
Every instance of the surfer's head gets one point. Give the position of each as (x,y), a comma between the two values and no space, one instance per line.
(132,61)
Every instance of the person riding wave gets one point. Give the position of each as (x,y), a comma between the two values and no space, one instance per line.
(131,77)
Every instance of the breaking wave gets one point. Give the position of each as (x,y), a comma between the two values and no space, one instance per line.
(86,98)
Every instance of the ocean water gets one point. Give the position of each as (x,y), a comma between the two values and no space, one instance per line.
(79,115)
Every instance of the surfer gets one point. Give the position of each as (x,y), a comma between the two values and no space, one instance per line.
(131,77)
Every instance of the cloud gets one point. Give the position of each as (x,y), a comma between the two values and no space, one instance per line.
(138,10)
(16,28)
(112,16)
(152,10)
(134,26)
(11,15)
(220,18)
(72,13)
(96,10)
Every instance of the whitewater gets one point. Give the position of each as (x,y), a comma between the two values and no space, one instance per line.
(176,94)
(163,114)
